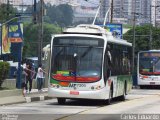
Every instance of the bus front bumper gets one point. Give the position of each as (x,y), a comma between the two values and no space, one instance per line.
(143,82)
(101,94)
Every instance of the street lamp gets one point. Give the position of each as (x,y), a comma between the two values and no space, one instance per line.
(150,40)
(134,39)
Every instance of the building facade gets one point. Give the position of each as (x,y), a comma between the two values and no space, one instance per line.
(124,11)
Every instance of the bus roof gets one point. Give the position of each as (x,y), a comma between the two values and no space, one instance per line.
(32,58)
(90,30)
(85,29)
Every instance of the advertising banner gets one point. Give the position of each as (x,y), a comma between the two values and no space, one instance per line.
(15,32)
(116,29)
(5,41)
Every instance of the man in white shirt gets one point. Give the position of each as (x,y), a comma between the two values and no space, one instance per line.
(40,77)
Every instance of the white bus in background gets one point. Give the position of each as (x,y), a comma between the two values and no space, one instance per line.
(148,68)
(86,62)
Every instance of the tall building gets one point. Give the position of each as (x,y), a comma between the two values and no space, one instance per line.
(155,12)
(124,11)
(105,4)
(12,2)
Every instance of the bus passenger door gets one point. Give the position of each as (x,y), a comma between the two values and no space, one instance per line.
(107,64)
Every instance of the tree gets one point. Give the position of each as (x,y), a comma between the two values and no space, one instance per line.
(143,37)
(66,14)
(31,37)
(62,14)
(5,13)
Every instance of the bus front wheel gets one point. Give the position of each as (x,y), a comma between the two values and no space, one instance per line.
(61,101)
(110,96)
(123,97)
(142,86)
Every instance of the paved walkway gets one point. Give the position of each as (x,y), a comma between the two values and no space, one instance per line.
(15,96)
(34,91)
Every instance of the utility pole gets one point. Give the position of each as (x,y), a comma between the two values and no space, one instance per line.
(133,43)
(150,40)
(155,13)
(8,2)
(111,11)
(40,33)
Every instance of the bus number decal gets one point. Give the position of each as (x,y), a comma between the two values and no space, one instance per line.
(77,85)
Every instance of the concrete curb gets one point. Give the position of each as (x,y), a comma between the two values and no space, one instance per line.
(37,98)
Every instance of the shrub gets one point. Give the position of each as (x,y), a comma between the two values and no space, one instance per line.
(4,69)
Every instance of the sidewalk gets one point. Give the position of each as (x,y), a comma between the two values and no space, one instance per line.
(15,96)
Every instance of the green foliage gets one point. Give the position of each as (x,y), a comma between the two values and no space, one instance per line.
(127,26)
(4,69)
(61,15)
(143,37)
(31,37)
(6,14)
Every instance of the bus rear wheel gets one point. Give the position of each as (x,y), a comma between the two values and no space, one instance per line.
(61,101)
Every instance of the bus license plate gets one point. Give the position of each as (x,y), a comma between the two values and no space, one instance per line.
(74,92)
(152,83)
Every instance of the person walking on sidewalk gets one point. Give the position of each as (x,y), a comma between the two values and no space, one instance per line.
(40,77)
(23,78)
(29,72)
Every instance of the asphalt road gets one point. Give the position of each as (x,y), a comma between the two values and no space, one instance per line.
(138,104)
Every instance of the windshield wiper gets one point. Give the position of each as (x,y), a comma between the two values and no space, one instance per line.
(87,51)
(59,52)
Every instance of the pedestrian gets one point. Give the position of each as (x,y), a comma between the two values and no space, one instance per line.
(40,77)
(28,70)
(23,78)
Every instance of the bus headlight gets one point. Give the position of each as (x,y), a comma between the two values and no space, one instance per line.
(97,87)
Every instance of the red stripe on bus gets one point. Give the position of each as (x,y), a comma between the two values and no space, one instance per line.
(72,78)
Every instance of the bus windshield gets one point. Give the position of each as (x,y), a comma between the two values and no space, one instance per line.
(77,59)
(149,63)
